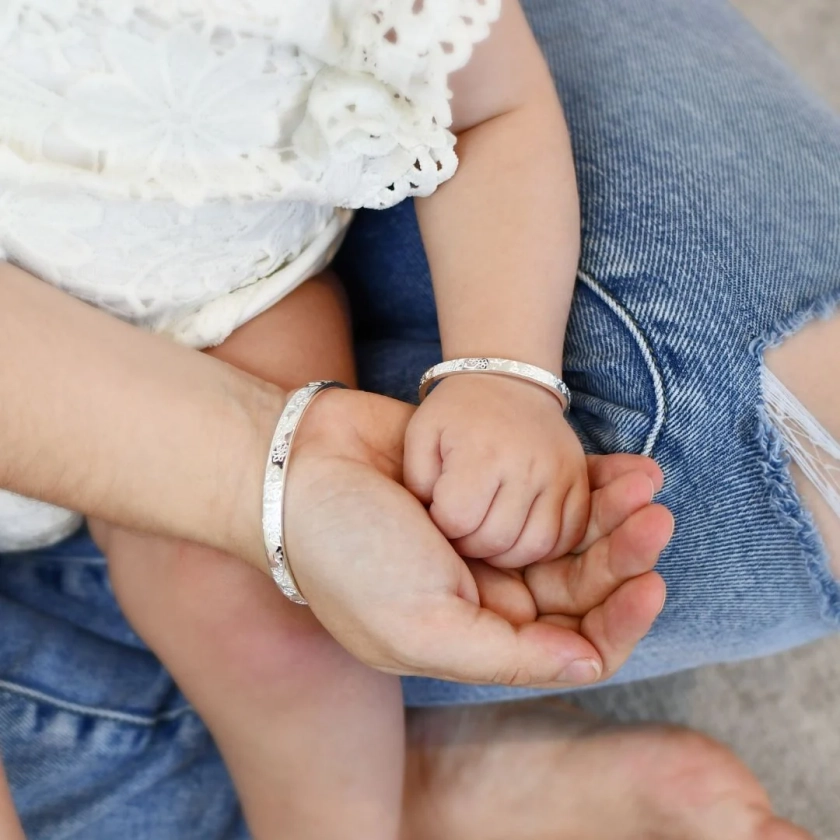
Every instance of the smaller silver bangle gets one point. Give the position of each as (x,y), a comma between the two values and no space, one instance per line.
(501,367)
(274,489)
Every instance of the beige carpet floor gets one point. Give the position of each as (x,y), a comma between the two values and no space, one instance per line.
(782,714)
(807,33)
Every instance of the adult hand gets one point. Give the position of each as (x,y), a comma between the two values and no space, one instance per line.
(604,590)
(389,587)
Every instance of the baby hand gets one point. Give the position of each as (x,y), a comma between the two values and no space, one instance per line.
(500,469)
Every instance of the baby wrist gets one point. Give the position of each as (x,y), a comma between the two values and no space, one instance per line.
(509,368)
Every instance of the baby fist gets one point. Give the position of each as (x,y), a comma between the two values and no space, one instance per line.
(500,469)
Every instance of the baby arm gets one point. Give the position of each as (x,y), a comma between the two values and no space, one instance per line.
(495,459)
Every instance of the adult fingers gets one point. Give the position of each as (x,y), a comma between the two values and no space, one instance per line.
(612,504)
(459,641)
(503,591)
(606,468)
(575,584)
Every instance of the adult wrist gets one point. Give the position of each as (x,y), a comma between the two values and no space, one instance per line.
(326,430)
(255,409)
(338,425)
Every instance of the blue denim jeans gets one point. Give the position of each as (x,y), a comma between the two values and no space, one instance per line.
(710,188)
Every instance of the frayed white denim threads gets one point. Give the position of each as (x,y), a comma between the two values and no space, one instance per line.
(807,442)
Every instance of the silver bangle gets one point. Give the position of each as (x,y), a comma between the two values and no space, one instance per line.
(274,489)
(501,367)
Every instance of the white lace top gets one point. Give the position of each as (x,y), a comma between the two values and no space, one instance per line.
(183,164)
(157,155)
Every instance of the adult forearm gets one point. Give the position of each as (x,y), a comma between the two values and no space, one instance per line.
(103,418)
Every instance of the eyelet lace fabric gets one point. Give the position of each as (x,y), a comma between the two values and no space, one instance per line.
(184,164)
(156,154)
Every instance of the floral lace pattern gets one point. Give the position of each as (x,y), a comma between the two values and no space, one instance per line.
(183,164)
(342,102)
(156,155)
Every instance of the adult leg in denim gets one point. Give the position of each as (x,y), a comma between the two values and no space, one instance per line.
(96,740)
(710,182)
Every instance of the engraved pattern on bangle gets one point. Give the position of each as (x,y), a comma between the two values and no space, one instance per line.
(502,367)
(274,489)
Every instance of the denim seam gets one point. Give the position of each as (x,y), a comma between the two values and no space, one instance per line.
(97,562)
(783,493)
(647,354)
(46,559)
(91,711)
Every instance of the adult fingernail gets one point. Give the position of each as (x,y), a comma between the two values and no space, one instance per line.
(652,490)
(581,671)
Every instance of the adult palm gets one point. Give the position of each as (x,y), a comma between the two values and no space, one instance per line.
(390,588)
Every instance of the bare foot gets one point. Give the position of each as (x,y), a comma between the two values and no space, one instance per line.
(543,771)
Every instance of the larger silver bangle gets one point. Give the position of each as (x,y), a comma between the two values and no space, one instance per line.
(274,489)
(503,367)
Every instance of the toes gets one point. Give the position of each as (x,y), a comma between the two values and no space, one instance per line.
(711,794)
(575,584)
(777,829)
